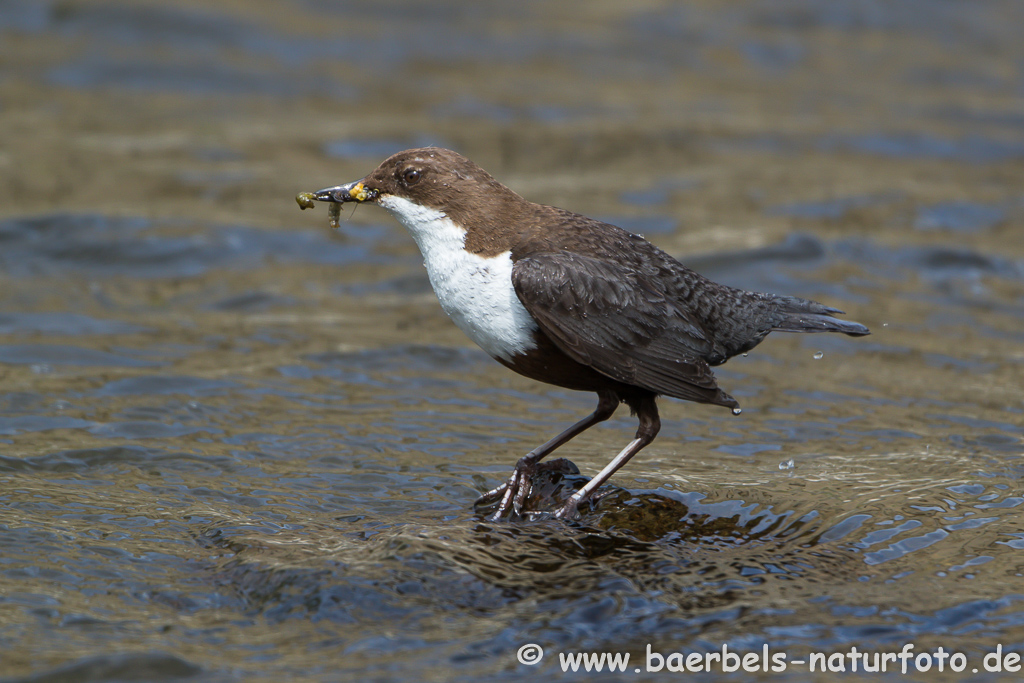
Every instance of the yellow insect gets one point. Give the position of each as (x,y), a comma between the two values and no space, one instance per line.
(359,193)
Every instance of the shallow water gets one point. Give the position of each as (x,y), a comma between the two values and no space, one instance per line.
(235,445)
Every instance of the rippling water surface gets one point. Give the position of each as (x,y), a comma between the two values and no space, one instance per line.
(237,446)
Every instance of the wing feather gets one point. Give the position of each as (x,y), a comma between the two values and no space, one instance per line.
(620,322)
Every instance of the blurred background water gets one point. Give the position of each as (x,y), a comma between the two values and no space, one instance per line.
(237,446)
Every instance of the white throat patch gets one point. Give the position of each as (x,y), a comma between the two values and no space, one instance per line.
(476,292)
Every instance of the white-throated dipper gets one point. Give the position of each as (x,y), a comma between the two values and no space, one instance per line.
(571,301)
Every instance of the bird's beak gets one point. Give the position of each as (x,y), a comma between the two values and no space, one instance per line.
(351,192)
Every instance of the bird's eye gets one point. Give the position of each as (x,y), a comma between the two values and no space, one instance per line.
(411,176)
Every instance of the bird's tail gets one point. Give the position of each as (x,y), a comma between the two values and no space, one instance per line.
(802,315)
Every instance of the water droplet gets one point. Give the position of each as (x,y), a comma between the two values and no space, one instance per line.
(737,411)
(819,355)
(787,464)
(885,324)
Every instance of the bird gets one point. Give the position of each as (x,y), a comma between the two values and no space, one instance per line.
(571,301)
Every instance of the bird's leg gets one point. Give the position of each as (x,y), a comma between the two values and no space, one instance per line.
(650,424)
(514,492)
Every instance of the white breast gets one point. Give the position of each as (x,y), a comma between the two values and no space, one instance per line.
(476,292)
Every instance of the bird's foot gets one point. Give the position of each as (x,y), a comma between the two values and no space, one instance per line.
(569,511)
(511,496)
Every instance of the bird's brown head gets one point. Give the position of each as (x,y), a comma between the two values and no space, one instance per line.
(431,177)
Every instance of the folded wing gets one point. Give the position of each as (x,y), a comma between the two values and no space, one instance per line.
(618,321)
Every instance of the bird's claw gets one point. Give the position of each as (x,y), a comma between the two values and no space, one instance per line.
(569,511)
(512,493)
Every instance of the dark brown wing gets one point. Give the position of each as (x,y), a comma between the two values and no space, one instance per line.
(618,321)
